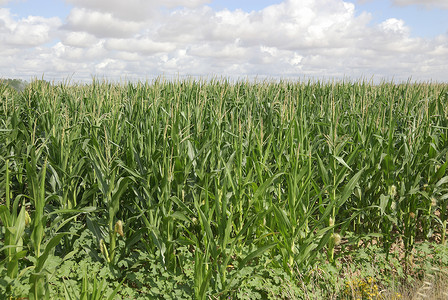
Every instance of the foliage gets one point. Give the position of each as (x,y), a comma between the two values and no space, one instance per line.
(218,189)
(17,84)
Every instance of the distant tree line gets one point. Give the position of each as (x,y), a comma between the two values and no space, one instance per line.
(17,84)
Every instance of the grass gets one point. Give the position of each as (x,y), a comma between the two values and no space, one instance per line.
(217,189)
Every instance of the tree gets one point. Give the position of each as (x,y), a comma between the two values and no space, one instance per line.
(17,84)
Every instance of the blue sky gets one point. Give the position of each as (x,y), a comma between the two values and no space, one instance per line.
(273,38)
(423,21)
(45,8)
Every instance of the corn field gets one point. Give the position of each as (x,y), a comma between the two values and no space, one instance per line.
(210,176)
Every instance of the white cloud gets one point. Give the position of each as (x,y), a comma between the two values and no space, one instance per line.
(79,39)
(394,26)
(135,10)
(292,24)
(428,3)
(139,45)
(26,32)
(291,39)
(70,53)
(100,24)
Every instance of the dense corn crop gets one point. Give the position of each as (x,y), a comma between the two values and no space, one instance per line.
(217,174)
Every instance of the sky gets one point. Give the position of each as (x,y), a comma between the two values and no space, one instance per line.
(120,40)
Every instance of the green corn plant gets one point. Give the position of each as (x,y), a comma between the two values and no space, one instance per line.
(220,248)
(106,170)
(67,167)
(14,222)
(337,195)
(42,248)
(230,170)
(95,291)
(202,274)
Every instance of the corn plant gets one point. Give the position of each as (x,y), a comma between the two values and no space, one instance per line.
(94,291)
(106,173)
(15,222)
(288,173)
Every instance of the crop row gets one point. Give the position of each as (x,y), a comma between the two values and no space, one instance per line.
(230,171)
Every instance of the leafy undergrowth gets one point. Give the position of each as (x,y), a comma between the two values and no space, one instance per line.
(368,274)
(361,273)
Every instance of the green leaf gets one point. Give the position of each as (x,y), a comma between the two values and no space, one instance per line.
(95,228)
(180,216)
(323,171)
(54,241)
(342,161)
(115,291)
(120,188)
(208,231)
(440,172)
(442,181)
(282,221)
(261,190)
(255,253)
(349,187)
(5,215)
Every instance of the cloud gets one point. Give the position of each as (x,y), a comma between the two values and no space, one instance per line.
(135,10)
(100,24)
(145,46)
(26,32)
(79,39)
(76,54)
(294,38)
(290,25)
(394,26)
(428,3)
